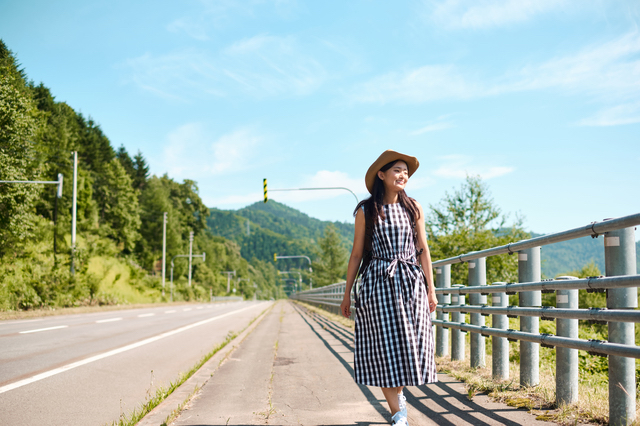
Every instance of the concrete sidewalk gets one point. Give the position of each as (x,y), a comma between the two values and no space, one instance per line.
(296,367)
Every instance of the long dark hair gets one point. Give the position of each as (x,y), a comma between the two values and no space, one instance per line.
(373,205)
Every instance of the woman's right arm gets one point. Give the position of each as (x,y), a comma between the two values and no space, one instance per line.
(354,262)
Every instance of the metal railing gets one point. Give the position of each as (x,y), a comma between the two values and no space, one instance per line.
(327,296)
(620,284)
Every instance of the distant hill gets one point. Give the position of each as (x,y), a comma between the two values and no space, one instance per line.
(273,228)
(574,254)
(277,228)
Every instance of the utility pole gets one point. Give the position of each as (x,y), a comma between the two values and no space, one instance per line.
(164,248)
(190,254)
(74,204)
(229,273)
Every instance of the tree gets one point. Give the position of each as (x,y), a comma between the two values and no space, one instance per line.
(126,161)
(141,171)
(468,220)
(118,205)
(19,122)
(332,265)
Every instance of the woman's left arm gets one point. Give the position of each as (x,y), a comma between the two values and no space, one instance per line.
(425,259)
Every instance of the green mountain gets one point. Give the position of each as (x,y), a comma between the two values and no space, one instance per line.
(263,229)
(277,228)
(572,255)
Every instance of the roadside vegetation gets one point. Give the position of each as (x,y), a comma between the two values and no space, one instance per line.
(119,215)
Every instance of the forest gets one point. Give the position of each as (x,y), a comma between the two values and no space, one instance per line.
(120,210)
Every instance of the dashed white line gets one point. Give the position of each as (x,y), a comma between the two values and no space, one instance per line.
(126,348)
(145,315)
(170,312)
(199,307)
(44,329)
(108,320)
(186,309)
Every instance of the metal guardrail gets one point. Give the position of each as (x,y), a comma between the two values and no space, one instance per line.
(620,284)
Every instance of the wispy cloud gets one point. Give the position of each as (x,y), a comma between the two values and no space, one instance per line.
(440,124)
(260,66)
(614,116)
(478,14)
(210,16)
(461,166)
(608,72)
(191,152)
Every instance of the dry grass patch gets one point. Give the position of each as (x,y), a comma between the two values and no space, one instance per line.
(330,316)
(592,406)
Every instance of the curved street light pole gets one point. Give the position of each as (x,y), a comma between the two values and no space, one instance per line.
(317,189)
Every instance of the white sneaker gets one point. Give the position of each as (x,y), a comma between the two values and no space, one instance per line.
(402,403)
(399,419)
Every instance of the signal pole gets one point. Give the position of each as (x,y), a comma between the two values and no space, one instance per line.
(190,254)
(74,209)
(164,249)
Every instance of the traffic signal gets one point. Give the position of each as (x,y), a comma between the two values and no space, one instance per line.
(275,257)
(264,184)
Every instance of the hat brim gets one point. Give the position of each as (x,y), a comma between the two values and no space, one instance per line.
(387,157)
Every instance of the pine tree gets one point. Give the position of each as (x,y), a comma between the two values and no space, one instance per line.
(141,171)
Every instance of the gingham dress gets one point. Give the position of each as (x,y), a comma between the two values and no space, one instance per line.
(394,343)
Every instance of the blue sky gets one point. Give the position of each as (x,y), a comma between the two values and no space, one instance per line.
(539,97)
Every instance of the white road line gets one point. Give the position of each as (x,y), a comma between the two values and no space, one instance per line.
(186,309)
(199,307)
(145,315)
(44,329)
(126,348)
(170,312)
(108,320)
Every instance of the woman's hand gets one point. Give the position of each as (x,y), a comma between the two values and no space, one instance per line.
(433,300)
(345,306)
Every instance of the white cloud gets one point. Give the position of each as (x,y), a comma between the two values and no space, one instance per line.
(461,166)
(608,72)
(190,152)
(487,13)
(260,66)
(614,116)
(321,179)
(433,126)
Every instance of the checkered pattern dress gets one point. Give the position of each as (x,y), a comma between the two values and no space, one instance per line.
(394,343)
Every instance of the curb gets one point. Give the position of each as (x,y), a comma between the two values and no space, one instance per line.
(189,388)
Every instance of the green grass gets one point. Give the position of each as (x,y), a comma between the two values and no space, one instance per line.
(153,399)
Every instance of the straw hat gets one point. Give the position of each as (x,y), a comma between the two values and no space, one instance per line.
(387,157)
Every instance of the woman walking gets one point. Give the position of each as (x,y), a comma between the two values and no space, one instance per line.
(394,344)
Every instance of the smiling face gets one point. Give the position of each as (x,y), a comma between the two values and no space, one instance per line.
(396,177)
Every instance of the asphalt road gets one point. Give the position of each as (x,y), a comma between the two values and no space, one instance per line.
(90,369)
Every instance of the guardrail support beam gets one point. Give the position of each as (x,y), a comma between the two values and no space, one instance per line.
(477,277)
(457,336)
(566,358)
(529,271)
(620,259)
(443,280)
(500,345)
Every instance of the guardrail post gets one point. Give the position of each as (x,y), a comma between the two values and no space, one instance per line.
(443,280)
(477,277)
(499,345)
(620,259)
(566,358)
(457,336)
(529,271)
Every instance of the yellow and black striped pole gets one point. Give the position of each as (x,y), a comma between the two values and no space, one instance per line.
(264,184)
